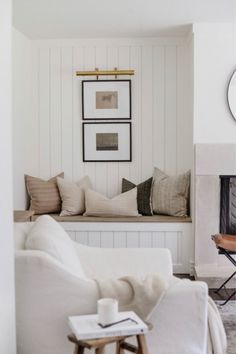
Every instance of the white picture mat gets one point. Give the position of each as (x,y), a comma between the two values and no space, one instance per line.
(89,97)
(123,152)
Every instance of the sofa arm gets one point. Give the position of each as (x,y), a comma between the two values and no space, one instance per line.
(46,294)
(117,262)
(180,320)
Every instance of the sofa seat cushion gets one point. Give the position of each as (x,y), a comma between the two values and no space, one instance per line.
(48,236)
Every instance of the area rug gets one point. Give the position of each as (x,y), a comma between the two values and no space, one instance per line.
(228,315)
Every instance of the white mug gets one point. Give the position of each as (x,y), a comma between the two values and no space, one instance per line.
(107,310)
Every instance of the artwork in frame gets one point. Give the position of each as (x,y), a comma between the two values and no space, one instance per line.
(106,99)
(106,142)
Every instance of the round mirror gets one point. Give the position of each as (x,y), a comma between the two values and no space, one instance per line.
(232,95)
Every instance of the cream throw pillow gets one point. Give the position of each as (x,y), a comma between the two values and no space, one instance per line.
(170,193)
(48,236)
(72,195)
(124,204)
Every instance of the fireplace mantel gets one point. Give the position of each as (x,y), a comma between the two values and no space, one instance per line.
(211,161)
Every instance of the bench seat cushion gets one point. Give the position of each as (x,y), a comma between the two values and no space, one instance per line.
(150,219)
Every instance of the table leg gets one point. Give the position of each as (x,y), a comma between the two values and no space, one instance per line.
(119,349)
(142,344)
(78,349)
(99,350)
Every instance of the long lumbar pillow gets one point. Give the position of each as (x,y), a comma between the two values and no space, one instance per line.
(124,204)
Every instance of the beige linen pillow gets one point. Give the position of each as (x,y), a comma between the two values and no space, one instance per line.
(124,204)
(44,195)
(72,195)
(170,193)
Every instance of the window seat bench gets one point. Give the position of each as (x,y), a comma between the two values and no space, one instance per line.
(143,219)
(175,233)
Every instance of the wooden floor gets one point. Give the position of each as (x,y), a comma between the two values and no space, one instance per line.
(221,295)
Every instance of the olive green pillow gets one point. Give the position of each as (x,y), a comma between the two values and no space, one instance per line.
(143,195)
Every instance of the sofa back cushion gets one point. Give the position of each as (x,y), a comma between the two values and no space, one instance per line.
(21,230)
(48,236)
(124,204)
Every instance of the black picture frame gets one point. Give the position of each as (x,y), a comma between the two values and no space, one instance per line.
(118,95)
(119,150)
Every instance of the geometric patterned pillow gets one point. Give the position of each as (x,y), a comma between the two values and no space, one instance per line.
(144,194)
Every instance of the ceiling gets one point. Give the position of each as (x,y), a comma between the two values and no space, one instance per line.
(116,18)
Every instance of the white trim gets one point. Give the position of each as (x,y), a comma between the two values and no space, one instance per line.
(177,237)
(181,40)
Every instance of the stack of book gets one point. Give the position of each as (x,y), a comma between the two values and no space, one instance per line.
(87,326)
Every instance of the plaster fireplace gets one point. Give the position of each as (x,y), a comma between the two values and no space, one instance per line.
(214,182)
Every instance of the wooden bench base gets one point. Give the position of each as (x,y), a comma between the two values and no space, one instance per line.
(29,215)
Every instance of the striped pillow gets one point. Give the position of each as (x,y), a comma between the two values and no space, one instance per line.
(44,195)
(170,194)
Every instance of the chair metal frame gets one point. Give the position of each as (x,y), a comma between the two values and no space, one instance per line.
(232,260)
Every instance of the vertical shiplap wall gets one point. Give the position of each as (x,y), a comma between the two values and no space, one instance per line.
(161,126)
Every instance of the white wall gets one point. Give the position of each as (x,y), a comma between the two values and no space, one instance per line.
(162,126)
(214,136)
(7,298)
(214,62)
(24,125)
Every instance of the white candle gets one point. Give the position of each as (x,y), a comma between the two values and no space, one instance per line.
(107,310)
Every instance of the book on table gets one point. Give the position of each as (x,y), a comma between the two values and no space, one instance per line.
(87,326)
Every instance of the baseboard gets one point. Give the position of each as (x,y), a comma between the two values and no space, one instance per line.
(215,275)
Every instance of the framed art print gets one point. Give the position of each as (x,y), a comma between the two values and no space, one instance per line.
(106,99)
(106,142)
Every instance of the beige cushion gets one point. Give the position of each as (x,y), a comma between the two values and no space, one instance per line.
(72,195)
(170,193)
(44,195)
(124,204)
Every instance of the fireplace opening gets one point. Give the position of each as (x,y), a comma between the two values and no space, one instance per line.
(228,205)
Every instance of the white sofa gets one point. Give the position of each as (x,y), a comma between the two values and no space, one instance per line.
(47,293)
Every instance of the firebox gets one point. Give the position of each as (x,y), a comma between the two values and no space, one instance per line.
(228,205)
